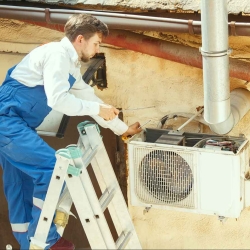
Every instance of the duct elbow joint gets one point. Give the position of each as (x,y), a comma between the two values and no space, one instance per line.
(223,127)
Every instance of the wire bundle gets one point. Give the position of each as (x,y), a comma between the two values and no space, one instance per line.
(225,145)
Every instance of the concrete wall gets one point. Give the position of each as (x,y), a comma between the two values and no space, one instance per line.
(138,80)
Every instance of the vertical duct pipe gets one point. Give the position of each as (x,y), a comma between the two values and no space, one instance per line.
(214,27)
(219,113)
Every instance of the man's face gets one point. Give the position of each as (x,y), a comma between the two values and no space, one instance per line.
(88,48)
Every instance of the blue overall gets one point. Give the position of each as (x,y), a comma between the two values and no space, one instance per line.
(27,160)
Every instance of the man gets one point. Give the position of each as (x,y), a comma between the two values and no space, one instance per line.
(48,77)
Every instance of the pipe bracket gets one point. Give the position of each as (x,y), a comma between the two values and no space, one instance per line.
(190,27)
(215,54)
(47,15)
(233,28)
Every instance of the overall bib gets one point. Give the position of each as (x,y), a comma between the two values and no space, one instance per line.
(27,160)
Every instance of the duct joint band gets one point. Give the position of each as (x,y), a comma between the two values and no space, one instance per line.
(215,54)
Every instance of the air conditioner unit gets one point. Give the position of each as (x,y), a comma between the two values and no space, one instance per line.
(197,173)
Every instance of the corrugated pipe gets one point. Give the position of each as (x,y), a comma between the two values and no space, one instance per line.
(217,109)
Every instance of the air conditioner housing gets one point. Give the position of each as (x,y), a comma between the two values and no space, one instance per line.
(182,173)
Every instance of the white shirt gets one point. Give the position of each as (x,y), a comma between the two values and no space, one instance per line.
(50,65)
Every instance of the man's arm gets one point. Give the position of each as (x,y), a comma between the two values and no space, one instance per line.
(83,91)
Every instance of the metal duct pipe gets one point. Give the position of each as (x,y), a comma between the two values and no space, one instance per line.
(214,50)
(113,20)
(217,108)
(240,105)
(117,20)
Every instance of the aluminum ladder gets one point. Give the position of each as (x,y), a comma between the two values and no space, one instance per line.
(71,169)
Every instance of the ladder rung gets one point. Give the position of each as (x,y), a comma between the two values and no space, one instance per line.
(106,198)
(123,240)
(90,155)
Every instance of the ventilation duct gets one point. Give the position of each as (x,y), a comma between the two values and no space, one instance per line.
(217,109)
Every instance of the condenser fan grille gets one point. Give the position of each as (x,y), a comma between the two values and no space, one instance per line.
(164,177)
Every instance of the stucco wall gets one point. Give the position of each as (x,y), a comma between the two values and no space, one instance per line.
(137,80)
(234,6)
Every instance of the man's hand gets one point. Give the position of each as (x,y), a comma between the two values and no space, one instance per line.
(132,130)
(108,112)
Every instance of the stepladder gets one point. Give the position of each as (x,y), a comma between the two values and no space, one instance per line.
(70,183)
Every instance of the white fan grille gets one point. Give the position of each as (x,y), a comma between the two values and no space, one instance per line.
(164,177)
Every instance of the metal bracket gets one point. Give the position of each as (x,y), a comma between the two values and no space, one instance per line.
(233,28)
(222,219)
(81,127)
(72,170)
(190,27)
(146,210)
(96,72)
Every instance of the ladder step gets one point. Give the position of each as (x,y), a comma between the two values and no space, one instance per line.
(123,240)
(106,198)
(86,155)
(89,155)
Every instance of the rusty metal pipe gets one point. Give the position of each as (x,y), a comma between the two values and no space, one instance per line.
(160,48)
(170,51)
(55,19)
(155,47)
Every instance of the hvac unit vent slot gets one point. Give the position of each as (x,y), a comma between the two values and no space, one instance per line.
(164,177)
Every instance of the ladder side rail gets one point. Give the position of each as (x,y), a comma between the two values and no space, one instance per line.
(85,213)
(50,202)
(64,205)
(110,186)
(117,207)
(85,142)
(95,205)
(107,179)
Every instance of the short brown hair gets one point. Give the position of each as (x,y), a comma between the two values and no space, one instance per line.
(85,25)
